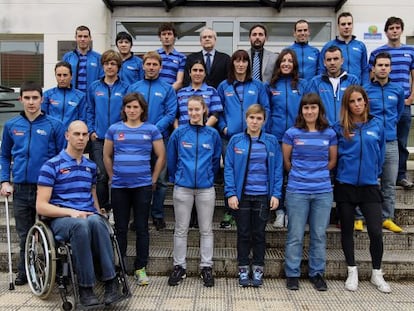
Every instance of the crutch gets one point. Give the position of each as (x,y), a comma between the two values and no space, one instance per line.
(6,204)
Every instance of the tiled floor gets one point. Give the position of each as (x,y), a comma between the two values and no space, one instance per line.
(227,295)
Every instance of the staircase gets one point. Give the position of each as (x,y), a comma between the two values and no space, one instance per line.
(398,259)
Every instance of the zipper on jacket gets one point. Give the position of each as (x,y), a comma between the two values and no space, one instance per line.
(286,105)
(248,161)
(303,62)
(63,108)
(383,106)
(28,150)
(360,154)
(196,162)
(109,105)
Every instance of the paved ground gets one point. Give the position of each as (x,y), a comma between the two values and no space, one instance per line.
(228,296)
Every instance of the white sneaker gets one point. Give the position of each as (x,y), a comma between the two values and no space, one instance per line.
(351,283)
(280,219)
(377,278)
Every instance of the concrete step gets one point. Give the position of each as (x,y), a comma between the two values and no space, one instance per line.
(396,264)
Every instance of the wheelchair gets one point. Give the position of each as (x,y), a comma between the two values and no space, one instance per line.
(48,260)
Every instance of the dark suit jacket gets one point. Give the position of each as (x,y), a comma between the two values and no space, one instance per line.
(219,68)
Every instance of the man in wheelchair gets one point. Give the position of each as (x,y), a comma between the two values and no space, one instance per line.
(66,194)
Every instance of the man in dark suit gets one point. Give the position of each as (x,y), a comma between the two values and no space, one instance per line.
(262,59)
(219,62)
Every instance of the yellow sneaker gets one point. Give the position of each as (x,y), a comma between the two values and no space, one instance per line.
(390,225)
(358,225)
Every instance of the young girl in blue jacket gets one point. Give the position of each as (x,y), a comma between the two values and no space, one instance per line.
(253,181)
(194,152)
(361,149)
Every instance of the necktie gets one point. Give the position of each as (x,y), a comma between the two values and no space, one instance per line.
(208,62)
(256,66)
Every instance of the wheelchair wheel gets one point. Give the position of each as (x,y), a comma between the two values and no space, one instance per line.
(40,260)
(69,304)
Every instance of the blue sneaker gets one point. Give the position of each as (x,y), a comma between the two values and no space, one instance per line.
(257,278)
(244,280)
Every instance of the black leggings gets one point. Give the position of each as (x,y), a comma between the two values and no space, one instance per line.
(372,212)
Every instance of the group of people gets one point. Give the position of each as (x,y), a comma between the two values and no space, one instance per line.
(295,131)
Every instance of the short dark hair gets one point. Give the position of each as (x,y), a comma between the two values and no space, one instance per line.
(64,64)
(123,36)
(111,55)
(345,14)
(382,55)
(393,20)
(165,27)
(82,28)
(301,21)
(28,86)
(260,26)
(130,97)
(333,48)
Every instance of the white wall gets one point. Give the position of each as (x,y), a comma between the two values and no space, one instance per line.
(56,20)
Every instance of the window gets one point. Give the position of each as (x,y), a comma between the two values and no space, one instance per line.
(21,59)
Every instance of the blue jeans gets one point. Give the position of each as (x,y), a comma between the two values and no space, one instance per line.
(388,179)
(24,206)
(140,201)
(403,129)
(157,209)
(251,219)
(314,209)
(88,237)
(102,188)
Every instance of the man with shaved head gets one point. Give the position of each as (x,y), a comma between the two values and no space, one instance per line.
(66,193)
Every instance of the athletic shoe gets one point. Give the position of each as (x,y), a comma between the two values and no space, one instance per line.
(390,225)
(207,276)
(177,276)
(257,277)
(292,283)
(358,225)
(318,282)
(244,280)
(141,277)
(377,278)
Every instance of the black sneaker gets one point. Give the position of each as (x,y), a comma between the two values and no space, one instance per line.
(207,276)
(112,292)
(292,283)
(177,276)
(87,297)
(21,279)
(318,282)
(159,223)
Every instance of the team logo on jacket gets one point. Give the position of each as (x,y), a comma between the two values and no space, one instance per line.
(41,132)
(121,136)
(119,94)
(276,93)
(158,94)
(99,93)
(206,146)
(72,103)
(130,68)
(373,134)
(93,64)
(54,102)
(238,150)
(65,170)
(392,97)
(251,92)
(187,145)
(356,49)
(146,137)
(228,94)
(175,61)
(311,58)
(18,133)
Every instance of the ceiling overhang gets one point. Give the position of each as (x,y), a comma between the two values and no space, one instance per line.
(278,5)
